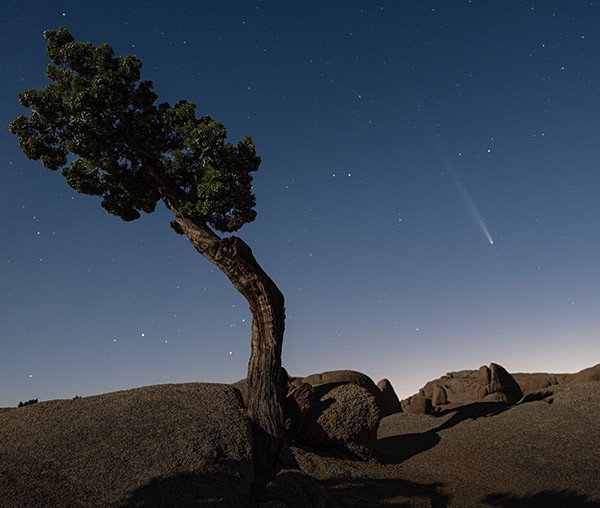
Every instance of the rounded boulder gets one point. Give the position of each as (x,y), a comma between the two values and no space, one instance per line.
(342,419)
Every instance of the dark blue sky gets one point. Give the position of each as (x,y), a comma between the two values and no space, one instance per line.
(398,140)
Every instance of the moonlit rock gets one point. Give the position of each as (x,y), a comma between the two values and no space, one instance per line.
(167,445)
(344,418)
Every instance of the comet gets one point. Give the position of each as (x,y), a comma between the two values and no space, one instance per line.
(472,207)
(447,164)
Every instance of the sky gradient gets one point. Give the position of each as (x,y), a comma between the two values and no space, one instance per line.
(427,199)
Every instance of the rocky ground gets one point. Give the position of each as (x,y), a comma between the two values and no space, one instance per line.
(189,445)
(542,453)
(170,445)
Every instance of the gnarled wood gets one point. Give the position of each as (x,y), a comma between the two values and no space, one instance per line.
(265,386)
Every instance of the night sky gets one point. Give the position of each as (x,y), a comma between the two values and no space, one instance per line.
(428,198)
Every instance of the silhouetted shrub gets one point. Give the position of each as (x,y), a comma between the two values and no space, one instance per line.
(32,401)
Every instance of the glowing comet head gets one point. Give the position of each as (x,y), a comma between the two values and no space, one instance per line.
(470,204)
(482,225)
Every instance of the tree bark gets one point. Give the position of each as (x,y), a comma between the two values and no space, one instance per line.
(266,388)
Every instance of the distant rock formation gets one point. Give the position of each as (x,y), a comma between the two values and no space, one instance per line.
(417,404)
(497,385)
(534,382)
(531,383)
(585,375)
(491,383)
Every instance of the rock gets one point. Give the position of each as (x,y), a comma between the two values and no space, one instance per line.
(484,375)
(531,383)
(462,387)
(169,445)
(585,375)
(296,406)
(535,382)
(389,400)
(449,391)
(339,377)
(417,404)
(497,385)
(491,383)
(343,377)
(539,454)
(294,489)
(439,396)
(242,387)
(342,419)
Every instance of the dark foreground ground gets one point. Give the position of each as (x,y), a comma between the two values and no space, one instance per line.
(148,448)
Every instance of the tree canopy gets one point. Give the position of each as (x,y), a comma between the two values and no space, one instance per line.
(99,123)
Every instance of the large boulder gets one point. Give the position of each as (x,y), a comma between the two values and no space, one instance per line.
(342,419)
(340,377)
(170,445)
(389,400)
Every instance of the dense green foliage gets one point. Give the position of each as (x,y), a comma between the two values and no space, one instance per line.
(100,124)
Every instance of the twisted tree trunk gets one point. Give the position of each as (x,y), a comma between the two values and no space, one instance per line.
(265,386)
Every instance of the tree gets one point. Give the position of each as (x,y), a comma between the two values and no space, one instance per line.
(27,403)
(99,123)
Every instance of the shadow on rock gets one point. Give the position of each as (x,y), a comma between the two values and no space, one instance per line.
(545,499)
(397,449)
(544,395)
(372,492)
(294,489)
(188,490)
(471,412)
